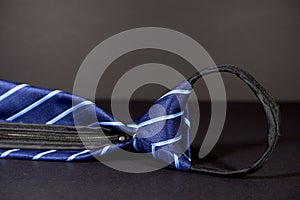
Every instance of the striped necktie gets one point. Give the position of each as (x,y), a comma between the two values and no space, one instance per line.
(33,122)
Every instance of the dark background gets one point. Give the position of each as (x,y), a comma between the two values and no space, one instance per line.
(43,43)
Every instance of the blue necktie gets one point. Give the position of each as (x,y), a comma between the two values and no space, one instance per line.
(23,104)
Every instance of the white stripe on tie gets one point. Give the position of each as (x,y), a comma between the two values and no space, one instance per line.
(6,153)
(32,106)
(175,92)
(65,113)
(12,91)
(77,154)
(38,156)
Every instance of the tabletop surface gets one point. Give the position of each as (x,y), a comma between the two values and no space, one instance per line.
(278,179)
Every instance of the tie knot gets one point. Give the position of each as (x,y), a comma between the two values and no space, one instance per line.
(164,129)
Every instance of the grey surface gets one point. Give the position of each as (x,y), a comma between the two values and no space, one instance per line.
(43,42)
(242,139)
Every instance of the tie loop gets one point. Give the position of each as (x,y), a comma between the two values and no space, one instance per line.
(271,110)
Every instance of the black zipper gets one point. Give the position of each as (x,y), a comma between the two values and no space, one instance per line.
(36,136)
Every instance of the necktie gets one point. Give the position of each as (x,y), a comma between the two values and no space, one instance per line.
(39,124)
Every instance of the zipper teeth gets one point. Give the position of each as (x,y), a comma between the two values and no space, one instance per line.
(56,137)
(53,128)
(31,141)
(61,137)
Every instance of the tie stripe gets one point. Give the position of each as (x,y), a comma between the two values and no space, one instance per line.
(145,123)
(72,157)
(6,153)
(161,118)
(32,106)
(175,92)
(134,143)
(187,157)
(107,124)
(187,121)
(176,161)
(65,113)
(104,150)
(170,141)
(38,156)
(12,91)
(163,143)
